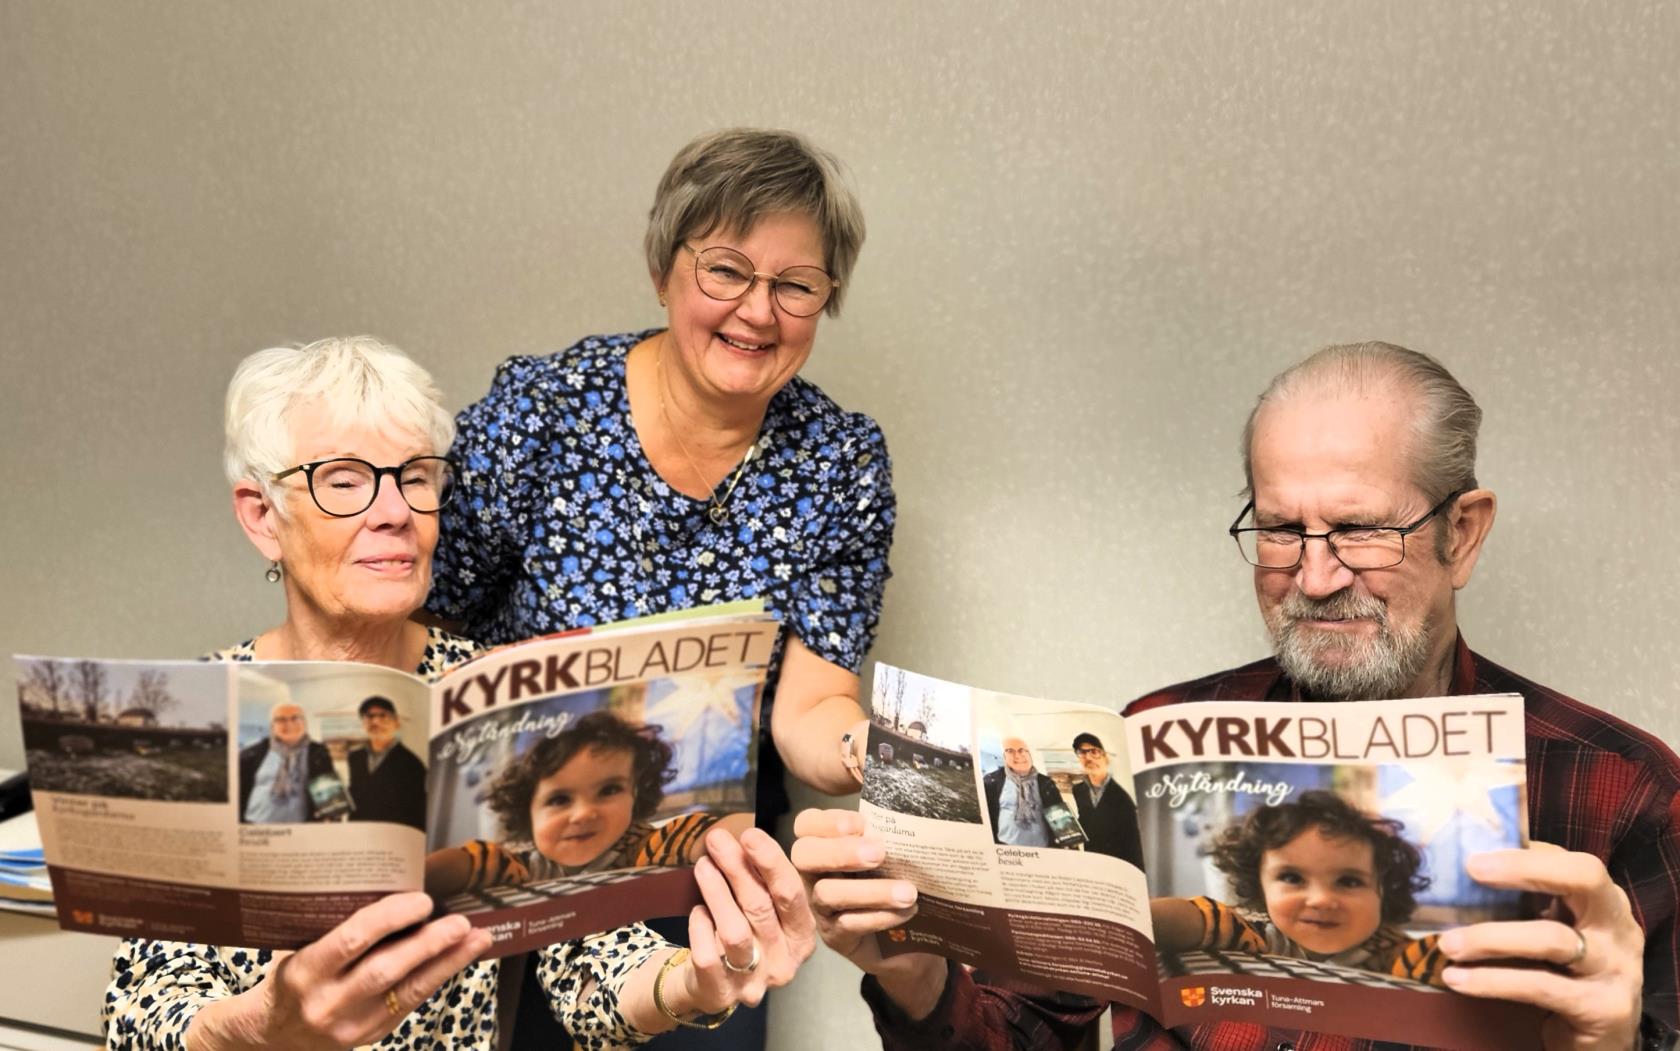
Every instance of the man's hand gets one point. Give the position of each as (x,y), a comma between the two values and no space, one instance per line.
(830,847)
(1594,998)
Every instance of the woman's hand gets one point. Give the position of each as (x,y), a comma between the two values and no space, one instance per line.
(751,935)
(352,986)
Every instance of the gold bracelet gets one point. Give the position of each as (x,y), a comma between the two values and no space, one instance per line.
(711,1021)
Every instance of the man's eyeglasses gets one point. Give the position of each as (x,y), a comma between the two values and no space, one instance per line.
(345,487)
(725,274)
(1356,547)
(1087,751)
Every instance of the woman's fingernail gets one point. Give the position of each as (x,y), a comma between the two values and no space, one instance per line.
(904,894)
(872,854)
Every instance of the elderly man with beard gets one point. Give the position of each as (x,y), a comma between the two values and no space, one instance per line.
(1365,519)
(1106,810)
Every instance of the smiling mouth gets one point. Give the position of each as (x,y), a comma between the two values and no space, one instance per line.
(387,565)
(741,344)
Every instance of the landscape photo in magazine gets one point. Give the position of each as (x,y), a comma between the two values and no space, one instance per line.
(1287,865)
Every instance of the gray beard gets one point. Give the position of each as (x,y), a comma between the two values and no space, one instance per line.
(1336,668)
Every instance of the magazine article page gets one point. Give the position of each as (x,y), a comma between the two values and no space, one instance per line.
(1303,859)
(573,778)
(1013,818)
(224,802)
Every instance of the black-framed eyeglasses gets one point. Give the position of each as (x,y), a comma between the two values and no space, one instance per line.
(344,487)
(1356,547)
(1087,750)
(725,274)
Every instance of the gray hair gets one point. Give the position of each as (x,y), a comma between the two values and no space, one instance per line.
(357,379)
(730,179)
(1445,418)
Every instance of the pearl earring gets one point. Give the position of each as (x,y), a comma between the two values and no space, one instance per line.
(273,574)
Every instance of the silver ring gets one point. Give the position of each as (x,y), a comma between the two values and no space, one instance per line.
(752,964)
(1580,950)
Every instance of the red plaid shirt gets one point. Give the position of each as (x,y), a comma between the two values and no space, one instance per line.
(1595,784)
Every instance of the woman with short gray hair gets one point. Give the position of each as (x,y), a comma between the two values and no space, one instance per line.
(688,464)
(313,434)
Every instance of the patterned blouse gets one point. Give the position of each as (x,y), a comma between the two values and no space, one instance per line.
(563,523)
(158,986)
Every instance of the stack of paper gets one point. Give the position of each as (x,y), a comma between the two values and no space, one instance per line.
(23,870)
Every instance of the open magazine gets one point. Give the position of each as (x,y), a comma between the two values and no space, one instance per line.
(545,790)
(1285,865)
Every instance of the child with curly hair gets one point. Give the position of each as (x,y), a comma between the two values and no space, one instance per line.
(1315,879)
(579,802)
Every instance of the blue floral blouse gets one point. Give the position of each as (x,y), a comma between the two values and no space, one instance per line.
(561,522)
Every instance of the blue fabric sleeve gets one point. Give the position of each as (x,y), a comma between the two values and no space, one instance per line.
(499,440)
(837,607)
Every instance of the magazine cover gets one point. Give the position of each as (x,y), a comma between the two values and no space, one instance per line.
(1303,859)
(1286,865)
(548,789)
(549,780)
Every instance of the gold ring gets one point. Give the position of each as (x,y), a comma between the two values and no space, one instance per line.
(1580,950)
(392,1004)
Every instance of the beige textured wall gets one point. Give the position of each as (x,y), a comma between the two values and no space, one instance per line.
(1096,230)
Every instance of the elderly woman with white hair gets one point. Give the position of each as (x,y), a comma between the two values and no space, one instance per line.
(313,434)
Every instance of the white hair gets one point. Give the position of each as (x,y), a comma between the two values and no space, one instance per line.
(355,379)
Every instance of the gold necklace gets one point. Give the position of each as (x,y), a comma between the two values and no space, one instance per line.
(715,511)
